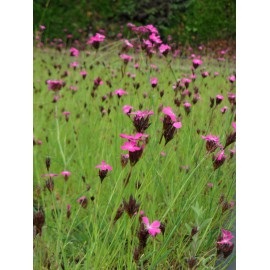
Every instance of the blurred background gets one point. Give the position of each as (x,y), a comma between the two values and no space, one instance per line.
(187,21)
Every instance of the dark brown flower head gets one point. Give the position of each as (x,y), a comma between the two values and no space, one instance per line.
(135,156)
(231,138)
(212,101)
(143,236)
(124,160)
(191,262)
(102,174)
(131,207)
(83,201)
(119,213)
(38,221)
(193,231)
(50,184)
(48,163)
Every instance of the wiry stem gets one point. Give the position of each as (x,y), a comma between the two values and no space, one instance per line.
(58,138)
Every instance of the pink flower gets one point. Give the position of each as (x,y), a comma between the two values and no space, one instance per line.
(120,92)
(98,81)
(168,111)
(66,174)
(128,44)
(151,28)
(197,62)
(74,64)
(186,81)
(42,27)
(152,228)
(66,113)
(126,58)
(216,74)
(224,109)
(104,167)
(234,125)
(147,43)
(54,85)
(164,49)
(83,73)
(127,109)
(96,40)
(155,38)
(226,237)
(219,99)
(186,104)
(134,138)
(154,81)
(83,201)
(205,74)
(74,88)
(232,78)
(177,124)
(136,65)
(210,185)
(142,114)
(211,138)
(163,154)
(74,52)
(130,146)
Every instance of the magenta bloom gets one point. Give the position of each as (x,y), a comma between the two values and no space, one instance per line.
(197,62)
(120,92)
(131,146)
(83,73)
(74,52)
(96,40)
(136,65)
(155,38)
(226,237)
(234,125)
(127,109)
(104,167)
(186,81)
(177,124)
(128,44)
(168,111)
(216,74)
(66,174)
(54,85)
(74,64)
(66,113)
(232,98)
(83,201)
(42,27)
(212,142)
(147,43)
(219,99)
(98,81)
(224,109)
(152,228)
(141,120)
(232,78)
(205,74)
(126,58)
(186,104)
(103,170)
(134,138)
(154,82)
(164,49)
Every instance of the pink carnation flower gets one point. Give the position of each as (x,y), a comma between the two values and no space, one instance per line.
(104,167)
(197,62)
(66,174)
(164,49)
(168,111)
(130,146)
(120,92)
(127,109)
(128,44)
(74,52)
(152,228)
(154,82)
(126,58)
(226,237)
(155,38)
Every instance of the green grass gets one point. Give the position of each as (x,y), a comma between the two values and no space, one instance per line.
(179,199)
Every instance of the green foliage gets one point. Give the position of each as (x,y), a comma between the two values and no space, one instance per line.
(185,20)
